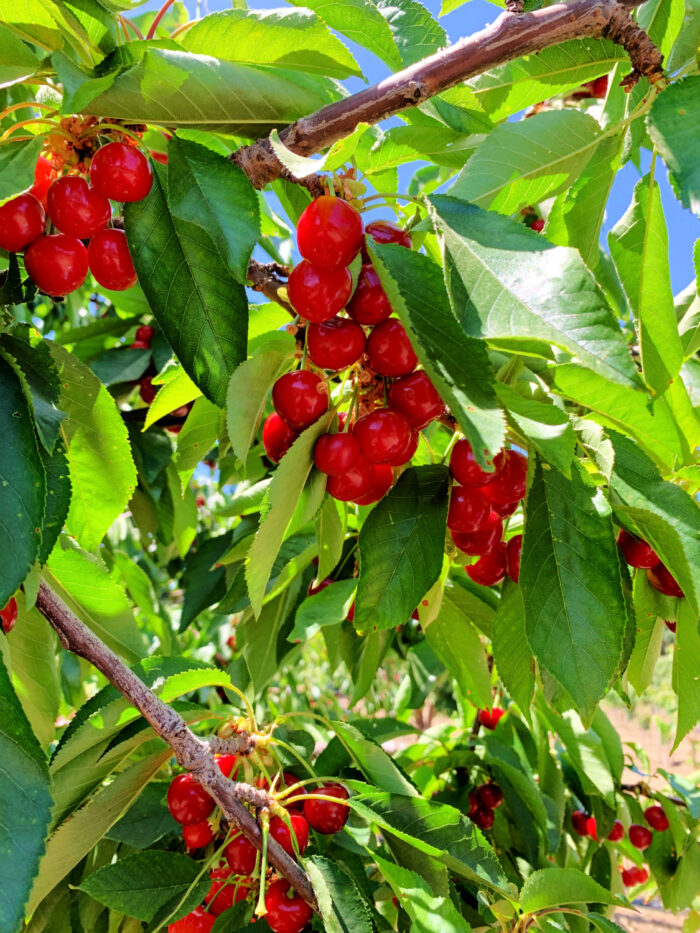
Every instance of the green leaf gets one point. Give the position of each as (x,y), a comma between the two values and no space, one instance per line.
(401,547)
(177,391)
(554,887)
(547,427)
(671,119)
(58,496)
(647,644)
(639,248)
(416,34)
(514,289)
(24,788)
(402,144)
(264,637)
(18,60)
(147,820)
(662,21)
(575,609)
(361,21)
(197,437)
(203,581)
(429,912)
(343,908)
(17,161)
(511,651)
(121,365)
(330,534)
(327,607)
(373,761)
(32,21)
(457,363)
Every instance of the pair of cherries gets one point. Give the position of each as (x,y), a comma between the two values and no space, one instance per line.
(639,554)
(482,803)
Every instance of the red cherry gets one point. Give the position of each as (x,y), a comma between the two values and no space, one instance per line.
(199,921)
(408,451)
(300,398)
(483,540)
(280,832)
(389,349)
(57,264)
(467,471)
(352,484)
(504,510)
(145,333)
(617,832)
(147,390)
(43,176)
(288,779)
(473,803)
(241,855)
(514,549)
(579,820)
(381,482)
(417,399)
(76,209)
(599,87)
(656,818)
(226,890)
(197,835)
(483,818)
(8,616)
(139,345)
(311,591)
(670,625)
(490,569)
(286,914)
(228,765)
(640,836)
(489,718)
(121,172)
(110,260)
(469,511)
(662,580)
(325,816)
(335,344)
(636,552)
(329,232)
(22,221)
(277,437)
(336,453)
(188,801)
(537,225)
(383,435)
(386,231)
(489,795)
(510,484)
(318,293)
(631,877)
(592,828)
(369,303)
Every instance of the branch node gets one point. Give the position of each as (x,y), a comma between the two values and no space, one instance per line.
(647,60)
(515,6)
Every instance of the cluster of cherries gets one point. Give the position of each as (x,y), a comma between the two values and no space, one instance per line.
(639,554)
(58,263)
(233,879)
(8,616)
(483,802)
(147,391)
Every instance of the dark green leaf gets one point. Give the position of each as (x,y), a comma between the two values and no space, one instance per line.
(36,367)
(343,908)
(429,912)
(671,119)
(545,425)
(511,651)
(686,661)
(115,366)
(327,607)
(265,637)
(372,760)
(147,820)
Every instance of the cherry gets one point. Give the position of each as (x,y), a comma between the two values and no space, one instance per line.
(469,511)
(335,344)
(408,451)
(656,818)
(76,209)
(277,437)
(489,795)
(57,264)
(147,390)
(592,827)
(389,349)
(473,803)
(386,231)
(510,484)
(417,399)
(640,836)
(226,890)
(383,435)
(670,625)
(483,540)
(336,453)
(286,914)
(537,225)
(288,779)
(579,820)
(121,172)
(636,552)
(280,833)
(227,764)
(8,616)
(505,510)
(329,232)
(617,832)
(490,718)
(300,398)
(514,549)
(662,580)
(311,591)
(490,568)
(188,801)
(139,345)
(382,479)
(483,818)
(467,471)
(197,835)
(145,333)
(199,921)
(325,816)
(110,260)
(22,221)
(369,303)
(43,176)
(599,87)
(241,855)
(631,877)
(352,484)
(318,293)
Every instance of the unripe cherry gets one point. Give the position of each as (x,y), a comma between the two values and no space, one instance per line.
(389,349)
(277,437)
(76,209)
(110,260)
(300,398)
(22,221)
(467,471)
(336,453)
(121,172)
(329,232)
(483,540)
(57,264)
(369,304)
(316,293)
(383,434)
(490,569)
(335,344)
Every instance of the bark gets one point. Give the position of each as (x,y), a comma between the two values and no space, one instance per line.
(266,278)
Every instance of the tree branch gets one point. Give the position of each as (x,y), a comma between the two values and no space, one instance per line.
(510,36)
(192,753)
(265,278)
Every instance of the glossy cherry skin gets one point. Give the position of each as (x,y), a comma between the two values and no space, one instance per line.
(329,232)
(300,398)
(369,304)
(417,399)
(188,801)
(640,836)
(227,764)
(489,795)
(199,921)
(145,333)
(483,540)
(121,172)
(335,344)
(8,616)
(147,390)
(383,434)
(336,453)
(662,580)
(22,221)
(240,855)
(197,835)
(286,914)
(280,833)
(483,817)
(469,511)
(316,293)
(579,820)
(489,718)
(537,225)
(670,625)
(636,552)
(656,818)
(631,877)
(76,209)
(490,569)
(57,264)
(389,349)
(510,484)
(382,480)
(226,890)
(110,260)
(514,549)
(352,484)
(617,832)
(592,827)
(467,471)
(408,451)
(277,437)
(325,816)
(43,176)
(386,231)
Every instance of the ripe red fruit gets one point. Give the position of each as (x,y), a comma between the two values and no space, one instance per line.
(226,890)
(329,232)
(592,827)
(8,616)
(467,471)
(662,580)
(483,818)
(139,345)
(617,832)
(640,836)
(631,877)
(385,231)
(335,344)
(280,832)
(408,451)
(510,484)
(110,260)
(145,333)
(240,855)
(489,795)
(76,209)
(22,220)
(286,914)
(352,484)
(277,437)
(369,303)
(325,816)
(317,294)
(57,264)
(483,540)
(599,87)
(197,835)
(383,435)
(670,625)
(489,718)
(336,453)
(514,550)
(43,176)
(288,779)
(636,552)
(490,569)
(504,510)
(417,399)
(469,511)
(537,225)
(300,398)
(389,349)
(579,820)
(147,390)
(199,921)
(656,818)
(188,801)
(121,172)
(382,480)
(227,764)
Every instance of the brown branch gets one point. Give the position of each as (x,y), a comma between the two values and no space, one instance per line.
(510,36)
(265,278)
(194,754)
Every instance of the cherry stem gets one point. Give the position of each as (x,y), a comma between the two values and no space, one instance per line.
(126,22)
(182,28)
(110,128)
(261,910)
(399,197)
(27,103)
(34,120)
(158,17)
